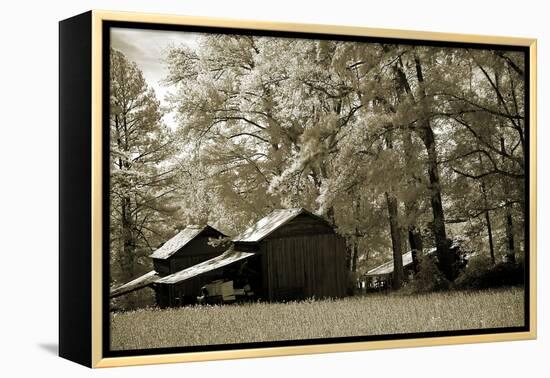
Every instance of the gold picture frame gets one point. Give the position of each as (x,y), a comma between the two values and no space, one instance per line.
(92,292)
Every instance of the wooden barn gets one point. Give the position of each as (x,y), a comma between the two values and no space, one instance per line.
(289,254)
(301,255)
(187,248)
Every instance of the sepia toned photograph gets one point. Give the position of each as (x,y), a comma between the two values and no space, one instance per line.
(272,188)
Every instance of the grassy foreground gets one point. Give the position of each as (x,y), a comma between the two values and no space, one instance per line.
(369,315)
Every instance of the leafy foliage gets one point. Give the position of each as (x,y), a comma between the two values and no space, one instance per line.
(482,274)
(142,178)
(337,127)
(428,279)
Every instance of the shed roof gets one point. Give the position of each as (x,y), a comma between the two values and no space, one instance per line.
(228,257)
(180,240)
(387,267)
(270,223)
(135,284)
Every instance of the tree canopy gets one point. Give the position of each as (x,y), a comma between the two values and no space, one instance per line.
(400,147)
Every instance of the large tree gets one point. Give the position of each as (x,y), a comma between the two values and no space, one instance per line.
(426,137)
(141,181)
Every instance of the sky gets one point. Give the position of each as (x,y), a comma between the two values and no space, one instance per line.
(147,48)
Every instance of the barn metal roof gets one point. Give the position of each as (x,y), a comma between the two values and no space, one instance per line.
(178,241)
(387,267)
(228,257)
(138,283)
(269,223)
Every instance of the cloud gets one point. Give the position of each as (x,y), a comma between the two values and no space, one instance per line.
(147,49)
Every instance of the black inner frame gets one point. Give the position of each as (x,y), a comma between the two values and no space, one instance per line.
(107,352)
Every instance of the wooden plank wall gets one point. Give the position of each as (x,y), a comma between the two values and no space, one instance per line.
(304,266)
(197,251)
(302,225)
(162,266)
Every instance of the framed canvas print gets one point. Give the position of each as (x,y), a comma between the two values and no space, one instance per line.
(235,189)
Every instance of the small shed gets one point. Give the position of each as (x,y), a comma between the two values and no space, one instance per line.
(381,277)
(187,248)
(289,254)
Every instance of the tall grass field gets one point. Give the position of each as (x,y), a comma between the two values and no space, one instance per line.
(373,314)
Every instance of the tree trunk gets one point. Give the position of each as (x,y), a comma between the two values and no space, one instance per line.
(510,245)
(355,255)
(403,88)
(318,180)
(128,258)
(511,250)
(396,240)
(447,259)
(351,257)
(330,215)
(415,242)
(411,203)
(490,234)
(486,213)
(357,212)
(488,222)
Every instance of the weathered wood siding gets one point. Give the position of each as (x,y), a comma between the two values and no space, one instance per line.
(193,253)
(298,267)
(302,225)
(162,266)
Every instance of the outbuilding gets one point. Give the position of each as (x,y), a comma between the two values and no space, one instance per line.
(381,277)
(189,247)
(289,254)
